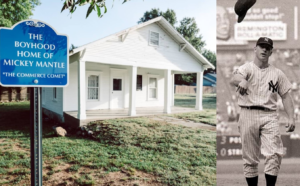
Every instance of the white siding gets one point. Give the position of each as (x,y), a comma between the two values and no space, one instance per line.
(71,91)
(71,100)
(135,50)
(54,105)
(142,96)
(103,55)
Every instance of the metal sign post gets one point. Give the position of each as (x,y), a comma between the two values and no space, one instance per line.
(36,137)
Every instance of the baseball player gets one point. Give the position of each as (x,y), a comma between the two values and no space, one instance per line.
(258,84)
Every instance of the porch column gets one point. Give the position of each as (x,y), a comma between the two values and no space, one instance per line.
(81,90)
(199,92)
(168,93)
(132,91)
(173,89)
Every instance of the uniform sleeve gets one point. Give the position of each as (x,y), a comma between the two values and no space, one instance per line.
(284,84)
(243,70)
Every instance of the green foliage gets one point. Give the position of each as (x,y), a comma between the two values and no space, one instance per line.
(210,56)
(188,27)
(169,15)
(185,79)
(72,47)
(189,100)
(12,12)
(85,180)
(74,168)
(148,15)
(189,30)
(94,5)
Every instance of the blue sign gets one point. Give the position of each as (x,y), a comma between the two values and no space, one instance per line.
(32,54)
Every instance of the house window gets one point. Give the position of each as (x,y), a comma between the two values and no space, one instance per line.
(139,82)
(117,84)
(54,93)
(154,38)
(152,88)
(93,87)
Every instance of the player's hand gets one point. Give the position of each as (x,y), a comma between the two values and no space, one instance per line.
(243,87)
(290,126)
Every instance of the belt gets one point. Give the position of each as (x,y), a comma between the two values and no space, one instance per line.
(256,108)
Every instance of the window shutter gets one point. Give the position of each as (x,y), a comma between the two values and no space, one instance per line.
(154,38)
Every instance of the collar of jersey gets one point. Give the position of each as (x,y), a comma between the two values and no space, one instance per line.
(262,69)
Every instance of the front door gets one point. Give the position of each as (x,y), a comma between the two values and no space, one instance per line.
(117,93)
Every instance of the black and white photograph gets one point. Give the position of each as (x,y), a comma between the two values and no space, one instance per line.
(258,86)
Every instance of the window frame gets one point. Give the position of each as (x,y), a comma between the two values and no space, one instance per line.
(54,94)
(137,82)
(149,41)
(148,87)
(93,73)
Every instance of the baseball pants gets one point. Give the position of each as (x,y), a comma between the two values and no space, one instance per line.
(259,131)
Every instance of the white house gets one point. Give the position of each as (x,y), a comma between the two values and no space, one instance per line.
(128,70)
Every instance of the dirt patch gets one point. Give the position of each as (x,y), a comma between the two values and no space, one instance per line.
(99,177)
(17,147)
(60,175)
(138,179)
(2,140)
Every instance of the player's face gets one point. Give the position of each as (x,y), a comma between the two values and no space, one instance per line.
(263,52)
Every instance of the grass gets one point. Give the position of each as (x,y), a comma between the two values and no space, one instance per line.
(189,100)
(175,155)
(208,115)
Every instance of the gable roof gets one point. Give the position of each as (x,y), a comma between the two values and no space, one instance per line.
(165,25)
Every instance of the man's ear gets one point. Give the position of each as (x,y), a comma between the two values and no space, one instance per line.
(271,52)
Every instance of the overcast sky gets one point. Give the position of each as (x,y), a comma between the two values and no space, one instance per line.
(122,16)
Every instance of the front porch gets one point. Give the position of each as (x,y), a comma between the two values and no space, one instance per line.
(103,114)
(120,89)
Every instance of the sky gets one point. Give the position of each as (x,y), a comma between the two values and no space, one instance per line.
(122,16)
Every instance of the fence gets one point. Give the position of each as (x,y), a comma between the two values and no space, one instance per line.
(9,94)
(183,89)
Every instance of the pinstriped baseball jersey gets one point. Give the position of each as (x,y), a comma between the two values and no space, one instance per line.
(264,85)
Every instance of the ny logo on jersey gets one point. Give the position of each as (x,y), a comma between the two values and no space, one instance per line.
(273,87)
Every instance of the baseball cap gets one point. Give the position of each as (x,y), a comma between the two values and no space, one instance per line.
(265,40)
(241,7)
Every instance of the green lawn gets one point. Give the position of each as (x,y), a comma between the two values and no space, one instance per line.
(149,152)
(208,115)
(189,100)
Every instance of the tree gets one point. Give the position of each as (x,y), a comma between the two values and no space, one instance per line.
(210,56)
(12,12)
(148,15)
(72,47)
(188,27)
(169,15)
(95,5)
(189,30)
